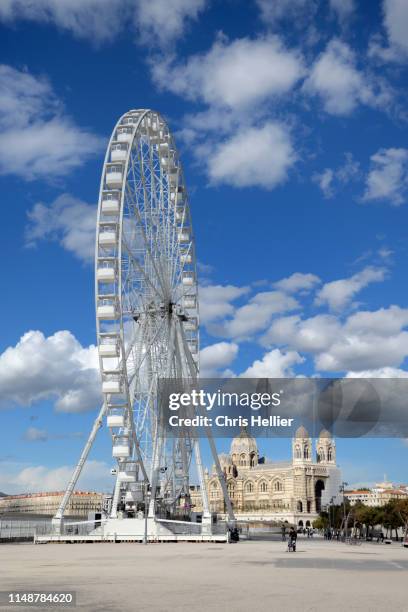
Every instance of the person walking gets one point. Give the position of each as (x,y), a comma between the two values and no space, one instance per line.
(292,539)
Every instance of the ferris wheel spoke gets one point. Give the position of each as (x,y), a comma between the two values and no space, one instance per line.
(181,259)
(147,411)
(142,271)
(150,220)
(178,279)
(148,250)
(146,349)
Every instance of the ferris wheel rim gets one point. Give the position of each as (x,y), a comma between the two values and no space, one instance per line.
(140,115)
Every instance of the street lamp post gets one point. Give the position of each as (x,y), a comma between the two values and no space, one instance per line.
(330,512)
(342,489)
(147,500)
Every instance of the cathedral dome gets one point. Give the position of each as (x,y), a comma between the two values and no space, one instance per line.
(243,443)
(325,434)
(301,432)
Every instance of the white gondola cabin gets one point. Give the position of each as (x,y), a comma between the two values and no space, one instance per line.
(124,134)
(108,238)
(112,386)
(108,349)
(110,203)
(188,278)
(114,175)
(106,274)
(106,312)
(115,418)
(119,151)
(121,447)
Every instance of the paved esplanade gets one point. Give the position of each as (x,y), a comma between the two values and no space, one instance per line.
(251,575)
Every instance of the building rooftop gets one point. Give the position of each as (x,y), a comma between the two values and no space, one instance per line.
(48,494)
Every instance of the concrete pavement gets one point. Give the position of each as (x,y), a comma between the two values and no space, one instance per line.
(250,575)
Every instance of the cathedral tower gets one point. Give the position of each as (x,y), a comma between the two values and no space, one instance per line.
(301,447)
(326,448)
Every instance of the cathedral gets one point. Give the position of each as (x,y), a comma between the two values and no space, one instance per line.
(293,491)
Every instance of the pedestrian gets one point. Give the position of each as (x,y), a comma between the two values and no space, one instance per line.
(283,532)
(292,539)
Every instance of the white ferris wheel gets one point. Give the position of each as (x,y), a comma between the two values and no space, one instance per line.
(147,318)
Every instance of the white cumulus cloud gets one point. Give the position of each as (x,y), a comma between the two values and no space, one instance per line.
(367,342)
(95,19)
(329,180)
(337,80)
(157,22)
(234,139)
(274,364)
(298,281)
(163,21)
(275,10)
(396,24)
(386,372)
(388,176)
(255,156)
(56,368)
(342,8)
(37,139)
(19,478)
(216,357)
(236,74)
(254,316)
(68,221)
(339,293)
(216,301)
(311,335)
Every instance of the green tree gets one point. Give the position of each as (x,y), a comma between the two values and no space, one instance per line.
(402,510)
(368,516)
(321,523)
(396,516)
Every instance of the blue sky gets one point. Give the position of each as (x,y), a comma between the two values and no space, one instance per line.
(291,121)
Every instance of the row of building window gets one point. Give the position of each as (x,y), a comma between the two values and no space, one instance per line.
(263,486)
(249,487)
(305,453)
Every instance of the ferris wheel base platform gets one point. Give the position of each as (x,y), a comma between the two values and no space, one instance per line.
(135,530)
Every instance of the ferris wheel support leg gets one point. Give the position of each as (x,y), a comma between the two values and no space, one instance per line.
(57,519)
(115,500)
(210,438)
(221,478)
(158,451)
(186,481)
(158,442)
(183,373)
(197,453)
(204,494)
